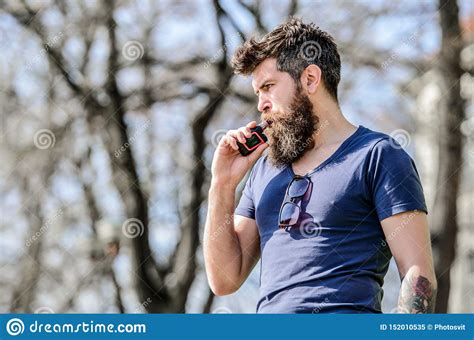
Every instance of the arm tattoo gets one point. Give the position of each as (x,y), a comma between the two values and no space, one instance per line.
(417,295)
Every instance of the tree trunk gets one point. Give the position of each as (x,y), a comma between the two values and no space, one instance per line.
(444,211)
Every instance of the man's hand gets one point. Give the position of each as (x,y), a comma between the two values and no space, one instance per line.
(228,165)
(231,244)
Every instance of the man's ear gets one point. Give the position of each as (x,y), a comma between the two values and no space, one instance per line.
(311,78)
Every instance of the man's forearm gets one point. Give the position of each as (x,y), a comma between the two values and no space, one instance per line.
(417,294)
(221,244)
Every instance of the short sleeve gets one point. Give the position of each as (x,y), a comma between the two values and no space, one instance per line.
(246,205)
(394,183)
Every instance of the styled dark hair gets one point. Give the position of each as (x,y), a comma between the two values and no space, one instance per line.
(295,45)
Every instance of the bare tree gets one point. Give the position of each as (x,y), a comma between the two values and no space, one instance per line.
(164,295)
(103,112)
(445,209)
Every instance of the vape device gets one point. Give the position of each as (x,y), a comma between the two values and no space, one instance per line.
(255,140)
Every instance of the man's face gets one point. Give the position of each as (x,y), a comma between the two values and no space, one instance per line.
(290,110)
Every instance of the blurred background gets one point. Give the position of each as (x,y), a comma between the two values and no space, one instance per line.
(110,113)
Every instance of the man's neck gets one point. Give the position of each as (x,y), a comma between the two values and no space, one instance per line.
(333,130)
(333,127)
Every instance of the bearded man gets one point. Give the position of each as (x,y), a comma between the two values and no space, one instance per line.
(327,206)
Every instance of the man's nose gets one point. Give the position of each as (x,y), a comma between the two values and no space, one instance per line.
(264,104)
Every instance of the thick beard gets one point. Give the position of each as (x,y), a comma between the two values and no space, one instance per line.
(291,133)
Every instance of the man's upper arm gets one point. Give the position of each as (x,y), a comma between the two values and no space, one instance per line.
(249,239)
(399,201)
(408,237)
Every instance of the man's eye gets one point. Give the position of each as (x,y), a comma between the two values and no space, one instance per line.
(268,86)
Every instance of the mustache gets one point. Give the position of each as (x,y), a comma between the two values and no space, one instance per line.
(288,112)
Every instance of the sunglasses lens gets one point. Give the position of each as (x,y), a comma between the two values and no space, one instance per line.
(298,187)
(289,214)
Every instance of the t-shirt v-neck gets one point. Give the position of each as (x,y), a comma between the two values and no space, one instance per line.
(333,156)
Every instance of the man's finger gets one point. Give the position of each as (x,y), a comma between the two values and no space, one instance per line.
(252,124)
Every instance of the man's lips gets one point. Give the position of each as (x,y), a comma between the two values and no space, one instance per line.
(268,119)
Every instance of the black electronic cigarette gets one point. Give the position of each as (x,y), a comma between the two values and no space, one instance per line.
(255,140)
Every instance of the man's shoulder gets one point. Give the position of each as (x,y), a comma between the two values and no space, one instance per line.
(374,141)
(371,137)
(396,142)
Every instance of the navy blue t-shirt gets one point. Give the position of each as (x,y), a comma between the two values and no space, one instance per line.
(335,259)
